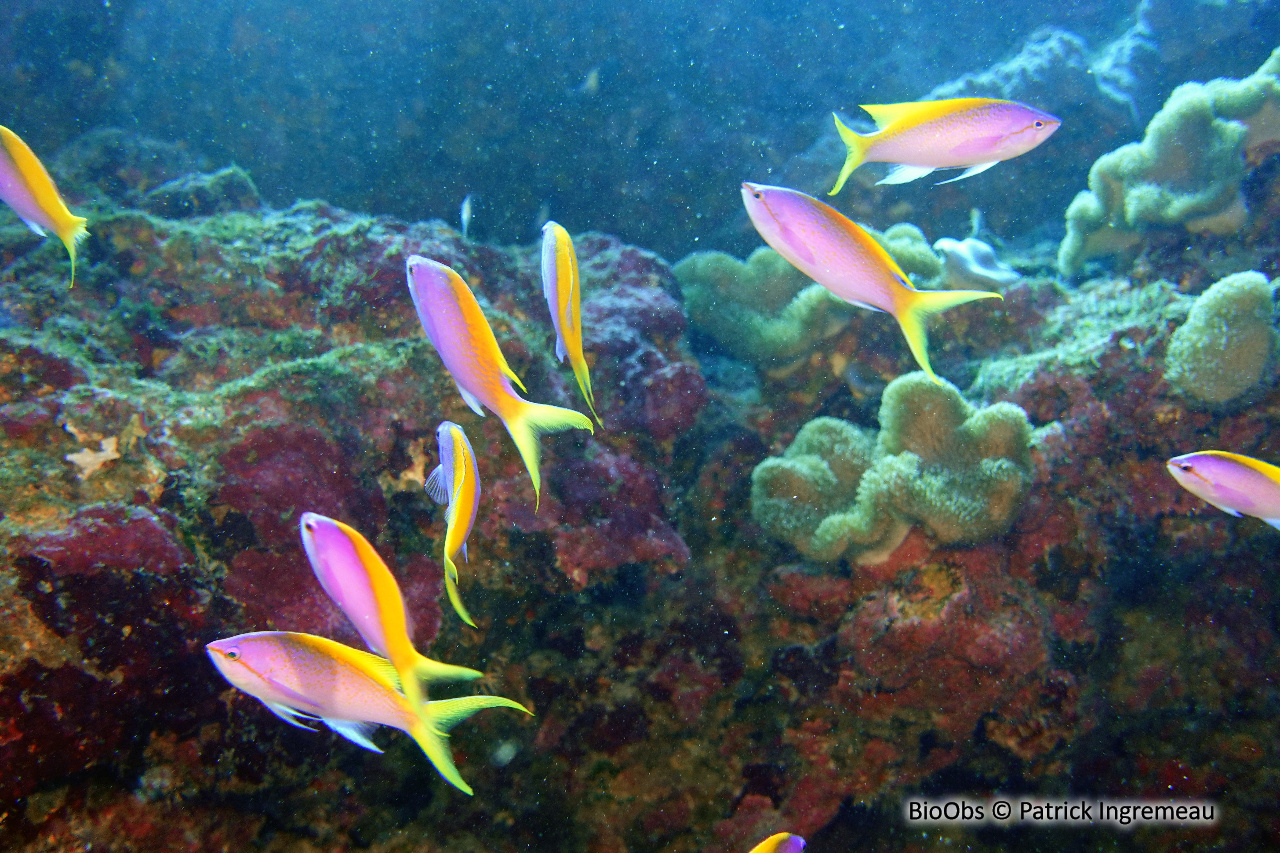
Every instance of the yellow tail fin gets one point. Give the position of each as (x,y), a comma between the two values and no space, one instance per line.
(534,419)
(432,730)
(857,145)
(913,307)
(451,587)
(71,233)
(579,366)
(435,672)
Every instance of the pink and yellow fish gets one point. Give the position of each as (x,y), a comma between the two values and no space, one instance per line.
(562,289)
(302,678)
(962,133)
(457,328)
(783,842)
(27,188)
(455,482)
(360,583)
(846,260)
(1240,485)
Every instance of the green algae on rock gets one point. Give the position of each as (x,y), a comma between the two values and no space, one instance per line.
(1226,346)
(1187,171)
(1091,322)
(961,472)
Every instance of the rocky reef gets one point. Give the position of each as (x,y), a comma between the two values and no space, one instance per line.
(778,590)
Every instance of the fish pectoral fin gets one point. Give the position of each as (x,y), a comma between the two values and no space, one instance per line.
(1229,511)
(355,731)
(437,486)
(291,716)
(471,401)
(295,698)
(903,174)
(969,172)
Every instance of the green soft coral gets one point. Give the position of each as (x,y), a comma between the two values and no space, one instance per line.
(763,311)
(1186,172)
(766,312)
(937,461)
(1225,348)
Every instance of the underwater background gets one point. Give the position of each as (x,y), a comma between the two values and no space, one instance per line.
(788,582)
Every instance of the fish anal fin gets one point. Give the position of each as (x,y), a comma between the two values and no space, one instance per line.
(355,731)
(904,174)
(471,400)
(291,716)
(969,172)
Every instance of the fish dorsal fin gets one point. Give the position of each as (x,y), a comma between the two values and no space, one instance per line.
(886,114)
(355,731)
(1266,469)
(510,374)
(437,486)
(872,246)
(378,668)
(570,316)
(918,112)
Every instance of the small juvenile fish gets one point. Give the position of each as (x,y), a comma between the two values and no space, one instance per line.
(27,188)
(464,215)
(455,482)
(961,133)
(302,678)
(836,253)
(360,583)
(457,328)
(1240,485)
(783,842)
(561,287)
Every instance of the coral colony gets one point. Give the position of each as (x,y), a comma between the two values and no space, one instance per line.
(801,561)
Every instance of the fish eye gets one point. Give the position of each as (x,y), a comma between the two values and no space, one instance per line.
(1185,466)
(310,525)
(757,195)
(233,655)
(1039,124)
